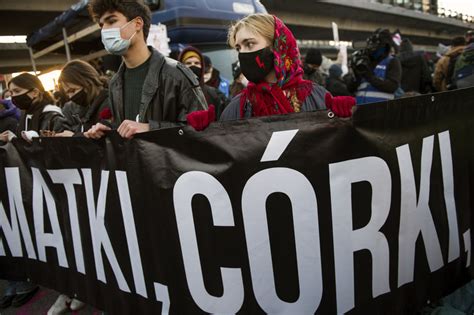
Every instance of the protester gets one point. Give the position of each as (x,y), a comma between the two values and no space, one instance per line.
(335,84)
(312,67)
(149,91)
(192,58)
(377,72)
(269,58)
(39,115)
(415,73)
(240,81)
(87,96)
(444,69)
(212,77)
(464,69)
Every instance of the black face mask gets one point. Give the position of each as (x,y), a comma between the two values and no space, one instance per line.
(80,98)
(257,65)
(308,70)
(22,101)
(197,71)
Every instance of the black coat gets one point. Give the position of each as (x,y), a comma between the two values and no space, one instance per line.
(81,118)
(8,123)
(337,87)
(49,117)
(170,92)
(215,97)
(415,73)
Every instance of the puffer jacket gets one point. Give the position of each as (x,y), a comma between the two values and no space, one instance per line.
(441,69)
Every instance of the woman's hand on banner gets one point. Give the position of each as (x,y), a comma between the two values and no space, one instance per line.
(97,131)
(341,106)
(128,128)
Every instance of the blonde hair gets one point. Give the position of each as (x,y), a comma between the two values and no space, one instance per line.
(81,73)
(258,23)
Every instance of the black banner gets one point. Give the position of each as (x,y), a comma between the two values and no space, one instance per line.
(294,214)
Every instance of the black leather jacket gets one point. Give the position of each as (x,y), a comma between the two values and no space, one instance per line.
(50,118)
(170,92)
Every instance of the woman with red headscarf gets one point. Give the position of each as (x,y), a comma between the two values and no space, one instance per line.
(270,59)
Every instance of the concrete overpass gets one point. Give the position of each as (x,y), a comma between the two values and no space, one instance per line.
(311,20)
(21,17)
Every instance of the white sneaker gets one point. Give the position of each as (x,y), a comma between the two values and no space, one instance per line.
(60,306)
(76,305)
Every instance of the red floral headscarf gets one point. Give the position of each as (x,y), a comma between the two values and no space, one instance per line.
(290,91)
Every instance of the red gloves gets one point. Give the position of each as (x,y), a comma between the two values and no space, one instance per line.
(341,106)
(202,118)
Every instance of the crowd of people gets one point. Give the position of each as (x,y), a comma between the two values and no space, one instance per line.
(150,91)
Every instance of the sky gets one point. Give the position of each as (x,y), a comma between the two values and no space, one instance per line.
(462,6)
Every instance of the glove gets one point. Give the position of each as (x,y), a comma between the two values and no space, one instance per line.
(341,106)
(202,118)
(10,108)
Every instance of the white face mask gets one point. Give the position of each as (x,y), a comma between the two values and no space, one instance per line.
(113,41)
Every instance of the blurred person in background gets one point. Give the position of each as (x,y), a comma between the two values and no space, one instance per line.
(463,76)
(377,72)
(415,73)
(444,69)
(335,84)
(312,67)
(212,77)
(192,58)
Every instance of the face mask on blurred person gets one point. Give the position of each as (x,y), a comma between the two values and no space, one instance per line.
(113,41)
(22,101)
(378,53)
(197,71)
(308,70)
(80,98)
(257,65)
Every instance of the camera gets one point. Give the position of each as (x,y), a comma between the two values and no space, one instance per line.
(359,61)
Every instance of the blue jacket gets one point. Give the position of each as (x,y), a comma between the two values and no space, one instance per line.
(367,93)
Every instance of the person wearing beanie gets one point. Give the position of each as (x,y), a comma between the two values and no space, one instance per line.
(192,58)
(335,83)
(312,67)
(212,77)
(443,73)
(416,76)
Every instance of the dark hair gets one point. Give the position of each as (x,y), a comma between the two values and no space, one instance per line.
(458,41)
(81,73)
(28,82)
(130,8)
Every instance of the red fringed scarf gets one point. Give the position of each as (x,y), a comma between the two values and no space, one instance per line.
(288,94)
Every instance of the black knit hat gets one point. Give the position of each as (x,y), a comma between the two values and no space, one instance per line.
(314,57)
